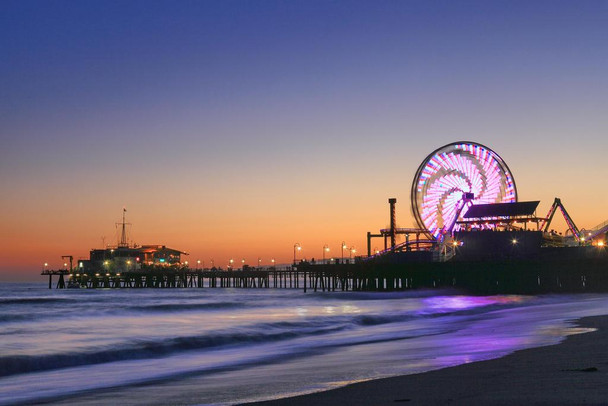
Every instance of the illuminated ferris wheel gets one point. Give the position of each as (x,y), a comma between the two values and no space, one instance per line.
(454,177)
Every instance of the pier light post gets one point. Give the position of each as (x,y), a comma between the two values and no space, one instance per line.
(343,248)
(296,247)
(186,263)
(325,249)
(212,263)
(351,251)
(230,263)
(259,262)
(46,264)
(198,264)
(242,263)
(272,262)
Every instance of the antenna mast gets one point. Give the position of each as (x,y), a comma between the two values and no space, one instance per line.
(123,236)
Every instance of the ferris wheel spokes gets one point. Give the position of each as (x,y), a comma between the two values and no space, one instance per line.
(454,177)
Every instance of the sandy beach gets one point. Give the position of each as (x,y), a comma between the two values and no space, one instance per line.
(572,372)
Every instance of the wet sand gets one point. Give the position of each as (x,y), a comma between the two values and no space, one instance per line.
(574,372)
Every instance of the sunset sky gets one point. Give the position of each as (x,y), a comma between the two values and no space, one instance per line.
(234,129)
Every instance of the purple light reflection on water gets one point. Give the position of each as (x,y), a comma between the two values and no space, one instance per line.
(451,303)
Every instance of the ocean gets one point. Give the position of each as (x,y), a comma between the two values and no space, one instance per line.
(196,346)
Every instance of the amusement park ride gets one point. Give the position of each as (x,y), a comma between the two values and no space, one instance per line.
(460,192)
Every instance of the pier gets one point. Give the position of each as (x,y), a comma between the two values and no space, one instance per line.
(584,270)
(480,240)
(180,278)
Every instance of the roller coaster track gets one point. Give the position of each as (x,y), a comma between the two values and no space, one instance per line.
(595,231)
(403,246)
(557,203)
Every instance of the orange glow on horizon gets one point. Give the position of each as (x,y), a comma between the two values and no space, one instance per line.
(257,223)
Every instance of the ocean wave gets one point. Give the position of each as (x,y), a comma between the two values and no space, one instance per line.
(374,320)
(34,300)
(396,294)
(377,319)
(7,318)
(176,307)
(141,349)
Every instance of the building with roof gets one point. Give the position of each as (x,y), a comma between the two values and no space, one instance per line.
(125,257)
(500,216)
(121,259)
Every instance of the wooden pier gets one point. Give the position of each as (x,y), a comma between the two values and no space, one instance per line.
(305,276)
(180,278)
(575,274)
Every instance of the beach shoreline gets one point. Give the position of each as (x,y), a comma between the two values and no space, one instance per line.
(574,371)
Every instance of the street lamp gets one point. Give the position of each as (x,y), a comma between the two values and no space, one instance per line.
(198,264)
(231,262)
(259,262)
(46,264)
(272,261)
(212,263)
(186,264)
(343,247)
(351,251)
(325,249)
(296,247)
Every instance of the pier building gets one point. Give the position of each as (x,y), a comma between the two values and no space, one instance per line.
(124,257)
(121,258)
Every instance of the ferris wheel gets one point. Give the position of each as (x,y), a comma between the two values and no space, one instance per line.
(454,177)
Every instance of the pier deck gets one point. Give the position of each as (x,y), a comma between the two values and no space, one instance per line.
(482,277)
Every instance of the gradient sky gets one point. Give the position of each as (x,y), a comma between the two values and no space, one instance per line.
(233,129)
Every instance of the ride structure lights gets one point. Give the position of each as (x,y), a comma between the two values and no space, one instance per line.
(454,177)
